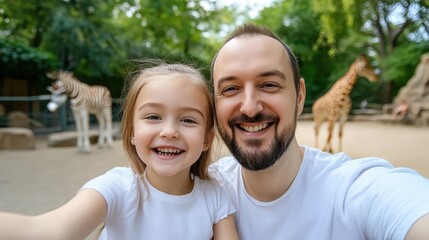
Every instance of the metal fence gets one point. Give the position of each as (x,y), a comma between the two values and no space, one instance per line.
(32,112)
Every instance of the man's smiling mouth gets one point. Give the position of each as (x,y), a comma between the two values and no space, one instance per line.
(253,128)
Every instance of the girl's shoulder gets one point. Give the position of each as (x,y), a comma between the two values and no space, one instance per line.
(122,172)
(210,187)
(118,187)
(116,181)
(216,196)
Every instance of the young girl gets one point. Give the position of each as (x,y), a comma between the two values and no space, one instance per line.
(168,128)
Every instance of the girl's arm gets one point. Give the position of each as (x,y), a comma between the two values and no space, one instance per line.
(420,229)
(74,220)
(225,229)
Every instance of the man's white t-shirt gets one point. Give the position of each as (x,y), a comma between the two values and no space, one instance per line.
(137,210)
(332,197)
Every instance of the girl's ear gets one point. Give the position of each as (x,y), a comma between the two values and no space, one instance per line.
(132,138)
(208,139)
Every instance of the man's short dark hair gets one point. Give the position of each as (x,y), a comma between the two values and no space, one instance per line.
(251,29)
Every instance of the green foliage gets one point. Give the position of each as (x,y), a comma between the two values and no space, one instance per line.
(327,36)
(175,27)
(20,60)
(402,63)
(297,25)
(83,38)
(23,20)
(96,39)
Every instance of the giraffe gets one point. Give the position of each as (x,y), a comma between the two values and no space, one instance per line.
(335,105)
(85,100)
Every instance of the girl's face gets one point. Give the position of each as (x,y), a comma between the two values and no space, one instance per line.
(170,122)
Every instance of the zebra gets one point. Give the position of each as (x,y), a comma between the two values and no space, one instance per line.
(85,100)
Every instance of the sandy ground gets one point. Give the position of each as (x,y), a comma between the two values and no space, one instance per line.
(36,181)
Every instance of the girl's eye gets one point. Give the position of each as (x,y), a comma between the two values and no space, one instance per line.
(152,117)
(189,121)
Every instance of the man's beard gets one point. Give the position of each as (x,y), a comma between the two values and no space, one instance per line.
(259,159)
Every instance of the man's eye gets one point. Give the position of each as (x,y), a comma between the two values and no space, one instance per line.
(270,86)
(229,89)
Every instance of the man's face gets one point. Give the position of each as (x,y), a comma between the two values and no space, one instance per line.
(256,100)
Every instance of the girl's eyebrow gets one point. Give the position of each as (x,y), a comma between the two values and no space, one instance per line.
(192,109)
(154,104)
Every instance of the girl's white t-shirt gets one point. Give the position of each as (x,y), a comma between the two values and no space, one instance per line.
(137,210)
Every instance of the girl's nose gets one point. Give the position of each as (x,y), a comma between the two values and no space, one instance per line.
(169,130)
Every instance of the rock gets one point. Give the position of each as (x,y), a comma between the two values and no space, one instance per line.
(17,138)
(413,97)
(69,138)
(18,119)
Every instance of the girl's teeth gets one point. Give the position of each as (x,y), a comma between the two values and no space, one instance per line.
(168,151)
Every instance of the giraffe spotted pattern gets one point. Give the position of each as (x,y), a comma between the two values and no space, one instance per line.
(335,105)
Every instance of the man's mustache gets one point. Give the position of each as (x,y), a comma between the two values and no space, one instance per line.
(260,117)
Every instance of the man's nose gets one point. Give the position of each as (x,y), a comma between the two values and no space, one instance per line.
(251,104)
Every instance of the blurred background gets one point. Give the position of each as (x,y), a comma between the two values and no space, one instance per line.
(97,40)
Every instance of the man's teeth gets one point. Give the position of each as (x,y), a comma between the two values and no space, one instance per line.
(254,128)
(168,151)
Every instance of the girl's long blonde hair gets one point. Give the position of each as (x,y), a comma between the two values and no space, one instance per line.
(137,82)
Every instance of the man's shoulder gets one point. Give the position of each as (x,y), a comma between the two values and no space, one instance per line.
(339,164)
(224,167)
(225,164)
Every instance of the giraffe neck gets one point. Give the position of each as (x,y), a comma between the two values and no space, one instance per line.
(347,82)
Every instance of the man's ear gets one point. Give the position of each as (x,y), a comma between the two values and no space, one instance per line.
(301,96)
(208,140)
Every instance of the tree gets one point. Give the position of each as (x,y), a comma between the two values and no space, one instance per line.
(378,26)
(383,21)
(95,39)
(401,63)
(298,26)
(25,20)
(177,27)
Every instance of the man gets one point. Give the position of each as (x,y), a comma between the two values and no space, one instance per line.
(286,191)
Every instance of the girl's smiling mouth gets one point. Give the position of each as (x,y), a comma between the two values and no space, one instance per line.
(168,151)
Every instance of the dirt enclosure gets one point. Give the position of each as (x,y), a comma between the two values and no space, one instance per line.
(36,181)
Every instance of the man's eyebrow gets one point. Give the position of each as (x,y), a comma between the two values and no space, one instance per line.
(225,79)
(273,73)
(263,74)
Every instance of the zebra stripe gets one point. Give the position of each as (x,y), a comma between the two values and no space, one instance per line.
(93,98)
(85,100)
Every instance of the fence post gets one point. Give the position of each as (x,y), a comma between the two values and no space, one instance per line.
(63,117)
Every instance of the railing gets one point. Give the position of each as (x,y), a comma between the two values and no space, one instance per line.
(39,118)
